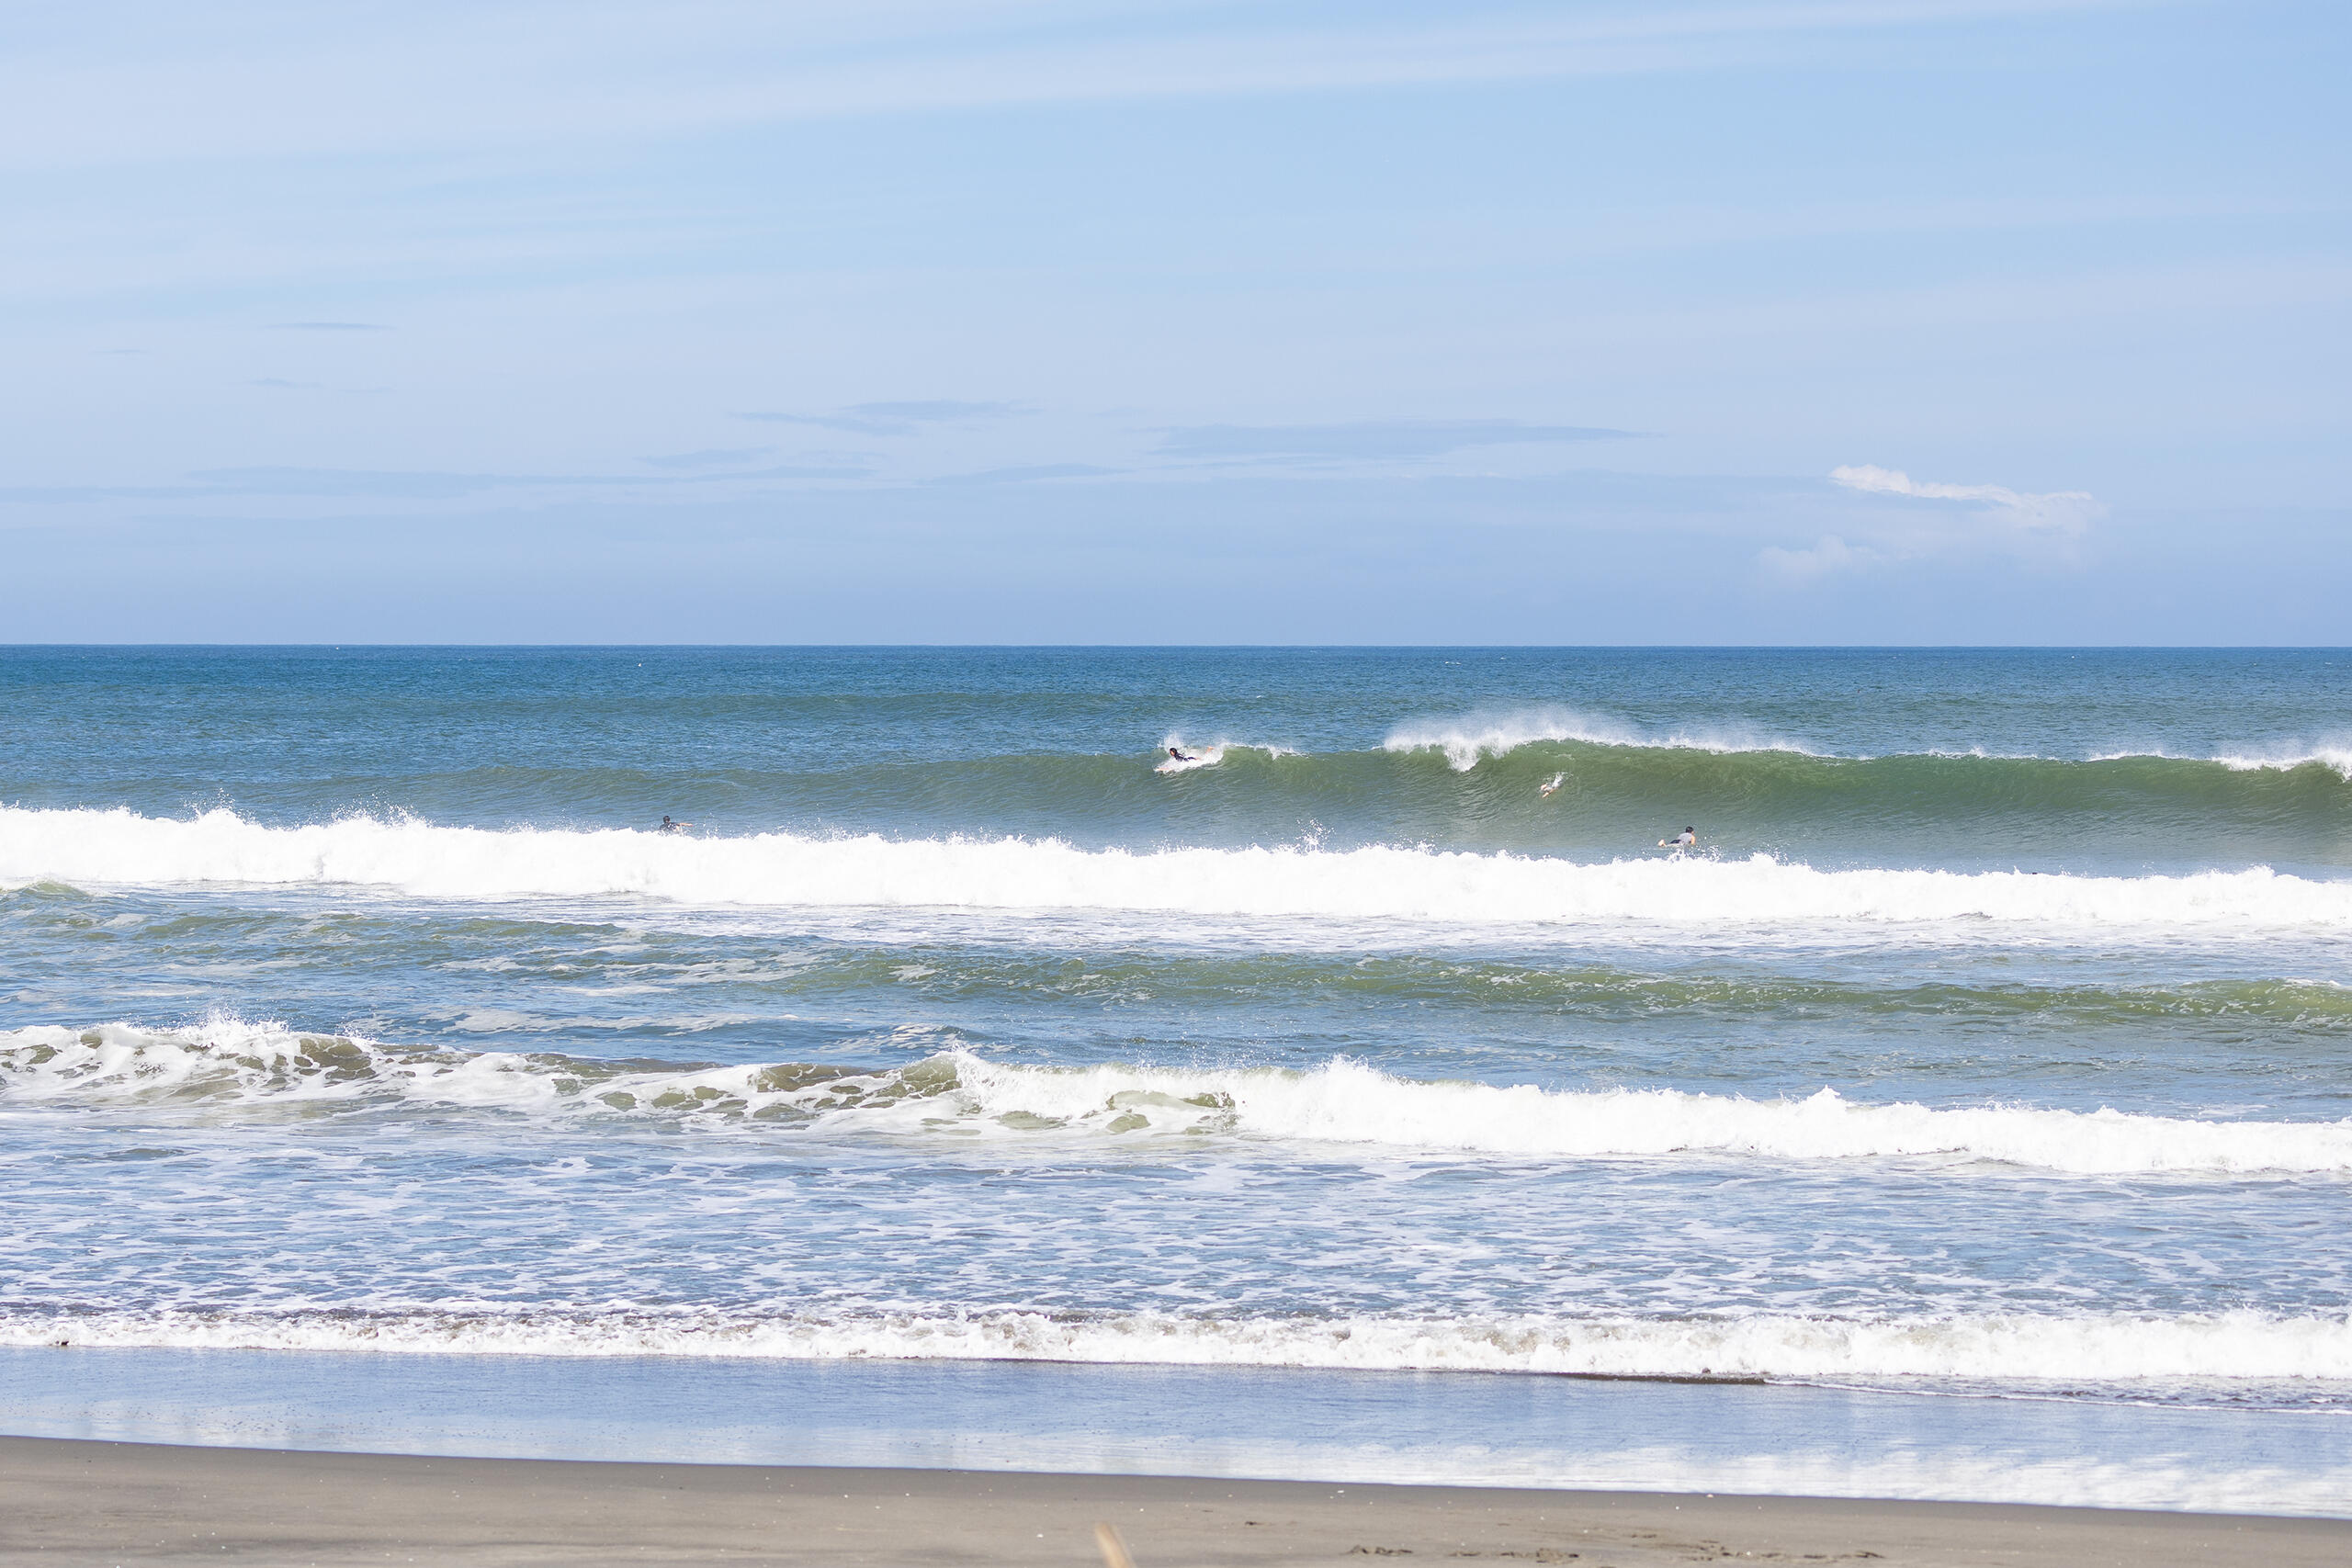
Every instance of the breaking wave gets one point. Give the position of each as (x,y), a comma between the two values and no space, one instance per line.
(1179,755)
(2072,1350)
(2335,758)
(1467,741)
(1600,772)
(788,870)
(229,1062)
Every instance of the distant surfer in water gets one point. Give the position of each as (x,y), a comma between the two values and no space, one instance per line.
(1543,790)
(1686,840)
(670,826)
(1178,754)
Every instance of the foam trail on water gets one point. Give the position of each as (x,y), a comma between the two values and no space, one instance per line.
(1343,1103)
(1380,882)
(2090,1348)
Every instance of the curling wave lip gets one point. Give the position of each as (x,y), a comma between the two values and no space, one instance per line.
(786,869)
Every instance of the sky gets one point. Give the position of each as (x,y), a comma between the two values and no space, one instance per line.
(1594,321)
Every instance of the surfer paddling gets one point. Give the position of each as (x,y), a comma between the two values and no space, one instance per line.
(670,826)
(1686,840)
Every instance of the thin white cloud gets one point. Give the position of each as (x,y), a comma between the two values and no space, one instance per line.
(1831,553)
(1369,438)
(707,457)
(2062,513)
(129,80)
(903,418)
(2043,527)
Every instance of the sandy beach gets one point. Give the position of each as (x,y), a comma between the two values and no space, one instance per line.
(73,1501)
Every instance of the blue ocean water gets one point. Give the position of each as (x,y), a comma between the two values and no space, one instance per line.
(1989,1049)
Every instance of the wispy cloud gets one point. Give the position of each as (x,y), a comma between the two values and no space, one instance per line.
(1030,474)
(328,327)
(2062,513)
(891,418)
(280,384)
(709,457)
(1368,438)
(260,78)
(429,486)
(2044,526)
(402,486)
(1831,553)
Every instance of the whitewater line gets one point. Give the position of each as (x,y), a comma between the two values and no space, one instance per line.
(1341,1101)
(2009,1348)
(788,870)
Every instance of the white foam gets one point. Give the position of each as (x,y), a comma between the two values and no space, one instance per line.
(2338,758)
(2335,758)
(1346,1103)
(788,870)
(227,1060)
(1202,757)
(1340,1102)
(1466,740)
(2009,1350)
(1209,754)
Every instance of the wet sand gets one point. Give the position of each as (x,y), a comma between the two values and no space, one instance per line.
(67,1502)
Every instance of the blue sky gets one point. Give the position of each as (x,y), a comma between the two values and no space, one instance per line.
(1110,320)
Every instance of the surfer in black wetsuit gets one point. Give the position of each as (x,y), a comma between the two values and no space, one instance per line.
(670,826)
(1176,754)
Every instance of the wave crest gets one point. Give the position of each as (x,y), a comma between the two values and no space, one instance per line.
(1341,1101)
(788,870)
(1465,742)
(1471,738)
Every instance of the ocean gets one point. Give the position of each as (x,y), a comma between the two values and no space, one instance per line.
(1366,1093)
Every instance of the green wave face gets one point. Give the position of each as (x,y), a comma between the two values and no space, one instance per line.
(2113,762)
(1584,797)
(1878,808)
(1576,797)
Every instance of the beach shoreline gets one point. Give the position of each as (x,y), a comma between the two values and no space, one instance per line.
(66,1500)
